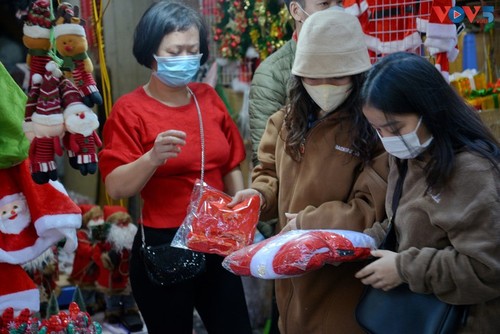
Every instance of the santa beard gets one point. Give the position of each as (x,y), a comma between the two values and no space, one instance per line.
(121,237)
(14,217)
(84,126)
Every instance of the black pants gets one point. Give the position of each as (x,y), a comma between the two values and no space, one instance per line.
(216,294)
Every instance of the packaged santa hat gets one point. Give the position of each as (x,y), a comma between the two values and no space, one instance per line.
(37,23)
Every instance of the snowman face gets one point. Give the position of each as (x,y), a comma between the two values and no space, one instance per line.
(14,216)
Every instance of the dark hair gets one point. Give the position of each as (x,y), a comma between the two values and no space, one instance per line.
(300,106)
(163,18)
(405,83)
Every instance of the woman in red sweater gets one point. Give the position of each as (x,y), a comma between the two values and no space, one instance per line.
(153,146)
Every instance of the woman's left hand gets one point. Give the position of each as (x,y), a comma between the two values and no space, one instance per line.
(382,273)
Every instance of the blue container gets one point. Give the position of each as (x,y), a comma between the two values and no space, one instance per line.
(469,58)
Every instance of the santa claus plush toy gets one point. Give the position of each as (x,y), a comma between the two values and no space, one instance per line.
(33,218)
(112,257)
(80,139)
(47,125)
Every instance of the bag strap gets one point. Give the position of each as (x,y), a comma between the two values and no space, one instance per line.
(390,241)
(202,141)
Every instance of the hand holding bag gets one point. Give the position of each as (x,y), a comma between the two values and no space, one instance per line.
(401,310)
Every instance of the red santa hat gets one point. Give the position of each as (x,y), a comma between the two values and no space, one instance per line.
(37,23)
(72,100)
(54,216)
(48,107)
(65,11)
(17,290)
(109,210)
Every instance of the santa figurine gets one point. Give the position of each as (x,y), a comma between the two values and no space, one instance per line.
(85,271)
(33,218)
(80,139)
(47,125)
(112,256)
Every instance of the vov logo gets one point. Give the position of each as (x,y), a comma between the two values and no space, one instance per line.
(458,13)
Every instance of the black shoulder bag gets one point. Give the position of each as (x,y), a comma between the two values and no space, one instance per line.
(166,265)
(401,310)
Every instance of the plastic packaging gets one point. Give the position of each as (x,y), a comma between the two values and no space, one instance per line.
(211,227)
(297,252)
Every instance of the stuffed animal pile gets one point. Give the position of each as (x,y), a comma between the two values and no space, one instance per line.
(61,93)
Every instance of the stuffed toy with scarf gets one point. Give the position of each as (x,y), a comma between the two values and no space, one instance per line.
(47,124)
(71,44)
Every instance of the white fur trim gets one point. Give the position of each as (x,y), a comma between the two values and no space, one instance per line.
(440,30)
(353,10)
(453,54)
(46,225)
(36,31)
(12,197)
(68,29)
(36,78)
(53,119)
(31,252)
(421,24)
(363,6)
(409,42)
(20,300)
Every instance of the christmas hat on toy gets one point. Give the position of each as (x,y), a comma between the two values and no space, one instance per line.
(48,108)
(72,103)
(17,290)
(13,143)
(37,23)
(110,210)
(45,215)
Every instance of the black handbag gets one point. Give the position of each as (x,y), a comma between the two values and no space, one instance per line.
(401,310)
(166,265)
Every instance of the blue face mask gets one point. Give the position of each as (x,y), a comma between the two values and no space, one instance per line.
(177,71)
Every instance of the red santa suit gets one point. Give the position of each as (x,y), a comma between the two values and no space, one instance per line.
(113,254)
(81,139)
(84,272)
(397,25)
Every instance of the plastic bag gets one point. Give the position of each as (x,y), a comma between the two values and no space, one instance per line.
(211,227)
(296,252)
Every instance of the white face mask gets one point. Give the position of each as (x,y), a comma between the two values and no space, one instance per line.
(406,146)
(328,97)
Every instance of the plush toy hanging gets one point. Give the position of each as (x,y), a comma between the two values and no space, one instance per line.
(47,124)
(71,44)
(36,37)
(80,121)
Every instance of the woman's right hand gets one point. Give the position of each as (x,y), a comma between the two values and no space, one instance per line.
(244,194)
(167,145)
